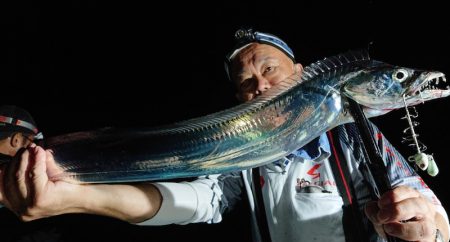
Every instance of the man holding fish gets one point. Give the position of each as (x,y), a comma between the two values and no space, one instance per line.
(296,198)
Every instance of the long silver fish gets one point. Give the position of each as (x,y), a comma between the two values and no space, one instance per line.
(283,119)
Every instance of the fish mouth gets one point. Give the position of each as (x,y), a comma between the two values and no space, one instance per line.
(434,84)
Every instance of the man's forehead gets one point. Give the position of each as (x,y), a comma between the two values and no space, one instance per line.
(255,54)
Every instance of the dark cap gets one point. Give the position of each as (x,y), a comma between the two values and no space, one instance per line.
(245,37)
(16,119)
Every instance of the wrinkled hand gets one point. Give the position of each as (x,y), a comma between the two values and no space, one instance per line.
(26,189)
(403,213)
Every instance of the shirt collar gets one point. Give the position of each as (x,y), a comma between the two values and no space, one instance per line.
(316,150)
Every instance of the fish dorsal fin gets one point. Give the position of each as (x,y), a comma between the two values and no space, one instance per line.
(235,113)
(328,66)
(334,64)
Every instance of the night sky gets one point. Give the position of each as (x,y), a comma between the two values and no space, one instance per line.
(82,65)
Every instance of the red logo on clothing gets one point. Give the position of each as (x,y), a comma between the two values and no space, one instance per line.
(312,172)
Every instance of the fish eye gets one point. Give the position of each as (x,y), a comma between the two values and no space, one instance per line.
(400,75)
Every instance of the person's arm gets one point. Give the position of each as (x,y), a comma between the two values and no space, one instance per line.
(205,199)
(27,191)
(132,203)
(411,211)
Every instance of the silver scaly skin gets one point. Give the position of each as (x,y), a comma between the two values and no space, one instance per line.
(283,119)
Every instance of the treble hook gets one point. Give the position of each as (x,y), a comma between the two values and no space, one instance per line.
(422,160)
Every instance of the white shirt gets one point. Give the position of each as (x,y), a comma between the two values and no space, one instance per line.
(300,195)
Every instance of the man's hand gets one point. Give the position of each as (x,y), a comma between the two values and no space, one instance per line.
(404,213)
(26,189)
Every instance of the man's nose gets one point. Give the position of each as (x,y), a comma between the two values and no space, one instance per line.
(263,84)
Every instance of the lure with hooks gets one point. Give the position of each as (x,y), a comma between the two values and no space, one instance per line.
(422,160)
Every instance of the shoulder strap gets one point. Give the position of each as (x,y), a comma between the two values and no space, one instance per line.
(260,211)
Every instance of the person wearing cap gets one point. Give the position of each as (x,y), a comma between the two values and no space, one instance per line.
(300,195)
(293,199)
(17,130)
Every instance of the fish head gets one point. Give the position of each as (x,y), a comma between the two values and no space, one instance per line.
(380,87)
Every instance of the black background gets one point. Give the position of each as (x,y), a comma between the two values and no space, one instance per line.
(82,65)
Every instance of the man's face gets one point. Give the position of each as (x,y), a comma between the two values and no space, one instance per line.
(257,68)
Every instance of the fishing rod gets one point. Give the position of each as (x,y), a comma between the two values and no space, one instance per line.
(374,162)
